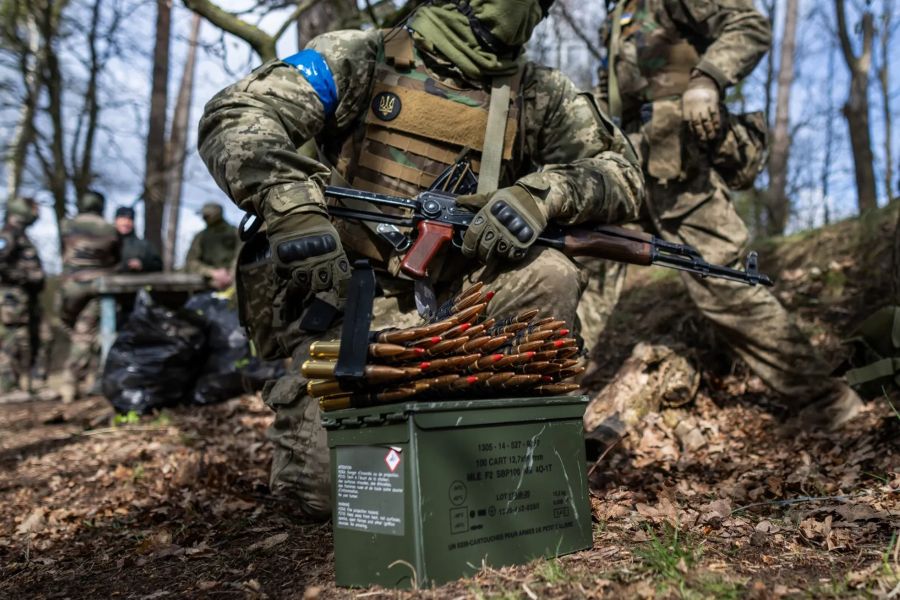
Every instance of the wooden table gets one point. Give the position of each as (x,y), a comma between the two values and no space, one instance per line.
(111,287)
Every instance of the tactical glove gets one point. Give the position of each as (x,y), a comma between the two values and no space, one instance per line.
(307,249)
(507,223)
(700,107)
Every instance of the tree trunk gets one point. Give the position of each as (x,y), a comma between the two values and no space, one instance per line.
(779,205)
(55,166)
(769,10)
(155,171)
(82,168)
(856,110)
(32,63)
(825,179)
(177,151)
(322,18)
(884,81)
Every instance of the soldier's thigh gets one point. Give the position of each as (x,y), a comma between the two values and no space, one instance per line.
(709,223)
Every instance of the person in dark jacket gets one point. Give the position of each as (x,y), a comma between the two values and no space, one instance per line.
(138,256)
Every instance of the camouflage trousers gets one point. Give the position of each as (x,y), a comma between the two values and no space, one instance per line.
(300,467)
(756,326)
(15,338)
(79,313)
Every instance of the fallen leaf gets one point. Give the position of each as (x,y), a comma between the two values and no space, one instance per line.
(270,542)
(34,523)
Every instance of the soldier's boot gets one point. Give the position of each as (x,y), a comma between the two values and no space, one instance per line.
(68,389)
(300,461)
(829,413)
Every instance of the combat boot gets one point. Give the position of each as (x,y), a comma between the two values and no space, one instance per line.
(68,389)
(830,412)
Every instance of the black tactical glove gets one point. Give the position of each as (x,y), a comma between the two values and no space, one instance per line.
(307,249)
(506,225)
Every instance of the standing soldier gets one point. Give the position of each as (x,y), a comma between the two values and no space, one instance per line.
(21,280)
(668,66)
(91,249)
(392,110)
(214,249)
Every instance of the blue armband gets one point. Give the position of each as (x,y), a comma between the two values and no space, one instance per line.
(316,71)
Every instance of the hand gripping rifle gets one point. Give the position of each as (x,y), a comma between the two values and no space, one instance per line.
(436,219)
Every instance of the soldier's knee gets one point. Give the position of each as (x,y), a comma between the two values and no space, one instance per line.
(552,273)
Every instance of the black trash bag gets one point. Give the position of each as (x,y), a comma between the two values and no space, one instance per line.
(230,368)
(155,358)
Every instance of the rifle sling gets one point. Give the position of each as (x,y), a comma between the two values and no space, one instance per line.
(495,135)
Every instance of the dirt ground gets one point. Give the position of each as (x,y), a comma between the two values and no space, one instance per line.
(716,499)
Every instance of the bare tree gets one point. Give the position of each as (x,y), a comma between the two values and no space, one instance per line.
(856,109)
(155,170)
(329,16)
(177,149)
(828,159)
(778,202)
(884,81)
(20,33)
(261,42)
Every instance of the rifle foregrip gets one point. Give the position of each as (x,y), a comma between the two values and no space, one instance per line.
(601,245)
(432,237)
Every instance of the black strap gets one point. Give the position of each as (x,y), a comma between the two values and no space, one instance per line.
(351,364)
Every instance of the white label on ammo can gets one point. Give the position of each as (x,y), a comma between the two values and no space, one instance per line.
(369,489)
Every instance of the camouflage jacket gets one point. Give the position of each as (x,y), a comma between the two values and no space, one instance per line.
(250,133)
(724,39)
(91,246)
(20,265)
(213,248)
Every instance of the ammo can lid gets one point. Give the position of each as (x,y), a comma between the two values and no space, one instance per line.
(459,413)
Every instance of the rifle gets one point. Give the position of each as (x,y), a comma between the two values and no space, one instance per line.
(436,220)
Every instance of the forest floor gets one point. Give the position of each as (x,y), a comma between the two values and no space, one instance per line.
(711,500)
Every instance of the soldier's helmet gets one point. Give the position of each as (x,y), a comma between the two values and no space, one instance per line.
(92,201)
(22,210)
(211,212)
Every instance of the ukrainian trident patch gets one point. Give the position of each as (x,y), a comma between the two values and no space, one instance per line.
(386,106)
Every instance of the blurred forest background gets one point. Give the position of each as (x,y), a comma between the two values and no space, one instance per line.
(107,93)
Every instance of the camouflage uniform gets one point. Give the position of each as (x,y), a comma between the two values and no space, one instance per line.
(91,249)
(213,248)
(21,280)
(248,138)
(662,43)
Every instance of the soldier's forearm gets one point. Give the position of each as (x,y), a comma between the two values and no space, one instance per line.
(740,39)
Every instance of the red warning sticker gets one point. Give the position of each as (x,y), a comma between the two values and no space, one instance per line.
(392,459)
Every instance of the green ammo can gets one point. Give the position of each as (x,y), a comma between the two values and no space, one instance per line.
(425,492)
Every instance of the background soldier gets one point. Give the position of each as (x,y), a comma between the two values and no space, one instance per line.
(669,64)
(214,249)
(21,280)
(138,256)
(91,249)
(392,110)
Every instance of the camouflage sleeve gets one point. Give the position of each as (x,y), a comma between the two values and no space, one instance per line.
(251,131)
(193,264)
(588,170)
(738,36)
